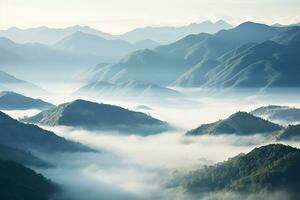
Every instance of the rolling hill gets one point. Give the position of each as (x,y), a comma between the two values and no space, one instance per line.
(261,172)
(94,116)
(240,123)
(32,138)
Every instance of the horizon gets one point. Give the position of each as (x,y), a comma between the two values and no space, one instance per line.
(133,14)
(146,26)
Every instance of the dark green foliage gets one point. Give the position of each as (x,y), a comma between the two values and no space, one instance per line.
(91,115)
(240,123)
(31,137)
(269,168)
(14,101)
(20,183)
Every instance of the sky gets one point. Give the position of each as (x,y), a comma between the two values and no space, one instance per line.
(119,16)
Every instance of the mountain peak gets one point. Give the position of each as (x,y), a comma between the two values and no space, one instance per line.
(96,116)
(251,25)
(239,123)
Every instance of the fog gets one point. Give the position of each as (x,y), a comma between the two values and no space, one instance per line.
(137,167)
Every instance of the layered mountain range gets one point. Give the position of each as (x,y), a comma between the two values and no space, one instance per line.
(164,34)
(250,55)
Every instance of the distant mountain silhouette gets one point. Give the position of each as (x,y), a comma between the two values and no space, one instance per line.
(74,52)
(13,101)
(94,116)
(89,45)
(9,82)
(46,35)
(259,173)
(166,35)
(240,123)
(31,138)
(127,90)
(49,36)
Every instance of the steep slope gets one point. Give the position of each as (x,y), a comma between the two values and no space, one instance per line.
(266,64)
(96,116)
(264,170)
(32,138)
(20,183)
(20,156)
(14,101)
(127,90)
(240,123)
(143,65)
(165,64)
(275,112)
(9,82)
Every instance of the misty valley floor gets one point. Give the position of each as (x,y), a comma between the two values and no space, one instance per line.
(137,167)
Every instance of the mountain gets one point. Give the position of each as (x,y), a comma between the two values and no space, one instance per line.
(127,90)
(28,137)
(89,115)
(14,101)
(173,63)
(144,65)
(74,52)
(264,64)
(165,35)
(9,82)
(240,123)
(49,36)
(38,58)
(22,157)
(261,172)
(46,35)
(281,113)
(146,44)
(21,183)
(104,50)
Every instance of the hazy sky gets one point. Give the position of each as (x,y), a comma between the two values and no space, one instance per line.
(118,16)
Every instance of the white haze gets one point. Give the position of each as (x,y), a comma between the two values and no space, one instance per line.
(135,167)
